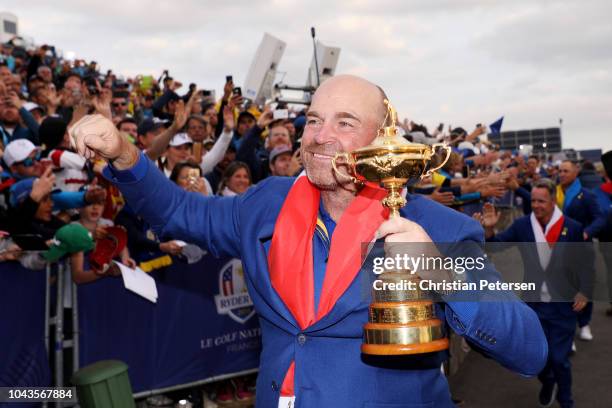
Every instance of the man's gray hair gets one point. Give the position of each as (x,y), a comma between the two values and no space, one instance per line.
(548,184)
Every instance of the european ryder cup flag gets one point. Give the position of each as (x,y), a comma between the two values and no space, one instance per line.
(496,126)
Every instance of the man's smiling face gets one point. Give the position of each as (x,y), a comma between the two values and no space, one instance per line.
(345,114)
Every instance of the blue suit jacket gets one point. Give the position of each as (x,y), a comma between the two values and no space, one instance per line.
(605,205)
(330,370)
(570,270)
(584,208)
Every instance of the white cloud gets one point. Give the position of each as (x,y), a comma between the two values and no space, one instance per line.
(458,62)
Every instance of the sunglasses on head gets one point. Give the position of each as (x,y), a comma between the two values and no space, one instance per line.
(29,162)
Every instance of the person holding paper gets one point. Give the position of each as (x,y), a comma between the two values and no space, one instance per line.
(91,219)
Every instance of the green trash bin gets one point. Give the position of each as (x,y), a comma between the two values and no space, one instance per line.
(104,384)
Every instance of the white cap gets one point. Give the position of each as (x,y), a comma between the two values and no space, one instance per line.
(180,139)
(18,150)
(470,146)
(30,106)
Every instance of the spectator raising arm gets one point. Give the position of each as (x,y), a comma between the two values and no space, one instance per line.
(247,152)
(227,93)
(181,114)
(216,153)
(31,131)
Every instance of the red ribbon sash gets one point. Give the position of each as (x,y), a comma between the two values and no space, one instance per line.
(552,236)
(290,257)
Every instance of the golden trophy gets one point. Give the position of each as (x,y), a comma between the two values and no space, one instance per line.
(400,321)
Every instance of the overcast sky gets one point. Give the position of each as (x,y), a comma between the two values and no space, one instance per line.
(460,62)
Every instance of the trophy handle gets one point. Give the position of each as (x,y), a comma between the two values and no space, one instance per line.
(434,147)
(350,163)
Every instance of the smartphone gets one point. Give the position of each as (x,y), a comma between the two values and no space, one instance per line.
(229,78)
(193,174)
(440,127)
(281,114)
(206,92)
(237,91)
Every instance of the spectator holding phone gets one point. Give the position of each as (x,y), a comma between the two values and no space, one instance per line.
(164,106)
(253,153)
(189,177)
(16,122)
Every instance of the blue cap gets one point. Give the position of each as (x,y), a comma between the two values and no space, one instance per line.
(300,121)
(20,191)
(150,125)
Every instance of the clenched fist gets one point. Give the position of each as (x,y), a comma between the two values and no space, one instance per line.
(96,135)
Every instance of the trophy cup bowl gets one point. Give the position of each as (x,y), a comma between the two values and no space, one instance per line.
(400,321)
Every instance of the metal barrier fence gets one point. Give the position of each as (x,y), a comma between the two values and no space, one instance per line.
(58,280)
(60,344)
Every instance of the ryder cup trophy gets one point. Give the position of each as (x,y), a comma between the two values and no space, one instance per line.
(400,321)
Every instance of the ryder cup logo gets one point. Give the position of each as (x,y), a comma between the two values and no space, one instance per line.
(233,299)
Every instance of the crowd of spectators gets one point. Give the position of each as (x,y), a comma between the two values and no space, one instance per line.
(206,146)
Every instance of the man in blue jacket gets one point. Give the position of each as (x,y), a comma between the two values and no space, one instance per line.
(581,205)
(300,244)
(564,275)
(578,202)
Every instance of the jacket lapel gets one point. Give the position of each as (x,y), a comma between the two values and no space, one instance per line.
(261,275)
(572,192)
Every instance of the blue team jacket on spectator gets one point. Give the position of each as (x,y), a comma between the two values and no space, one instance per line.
(330,370)
(604,200)
(585,209)
(29,131)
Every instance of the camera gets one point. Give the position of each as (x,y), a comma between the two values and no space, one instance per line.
(91,83)
(280,114)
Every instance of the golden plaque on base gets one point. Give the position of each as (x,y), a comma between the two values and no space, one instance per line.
(400,321)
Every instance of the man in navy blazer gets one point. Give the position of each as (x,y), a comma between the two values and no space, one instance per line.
(577,202)
(329,370)
(581,205)
(564,278)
